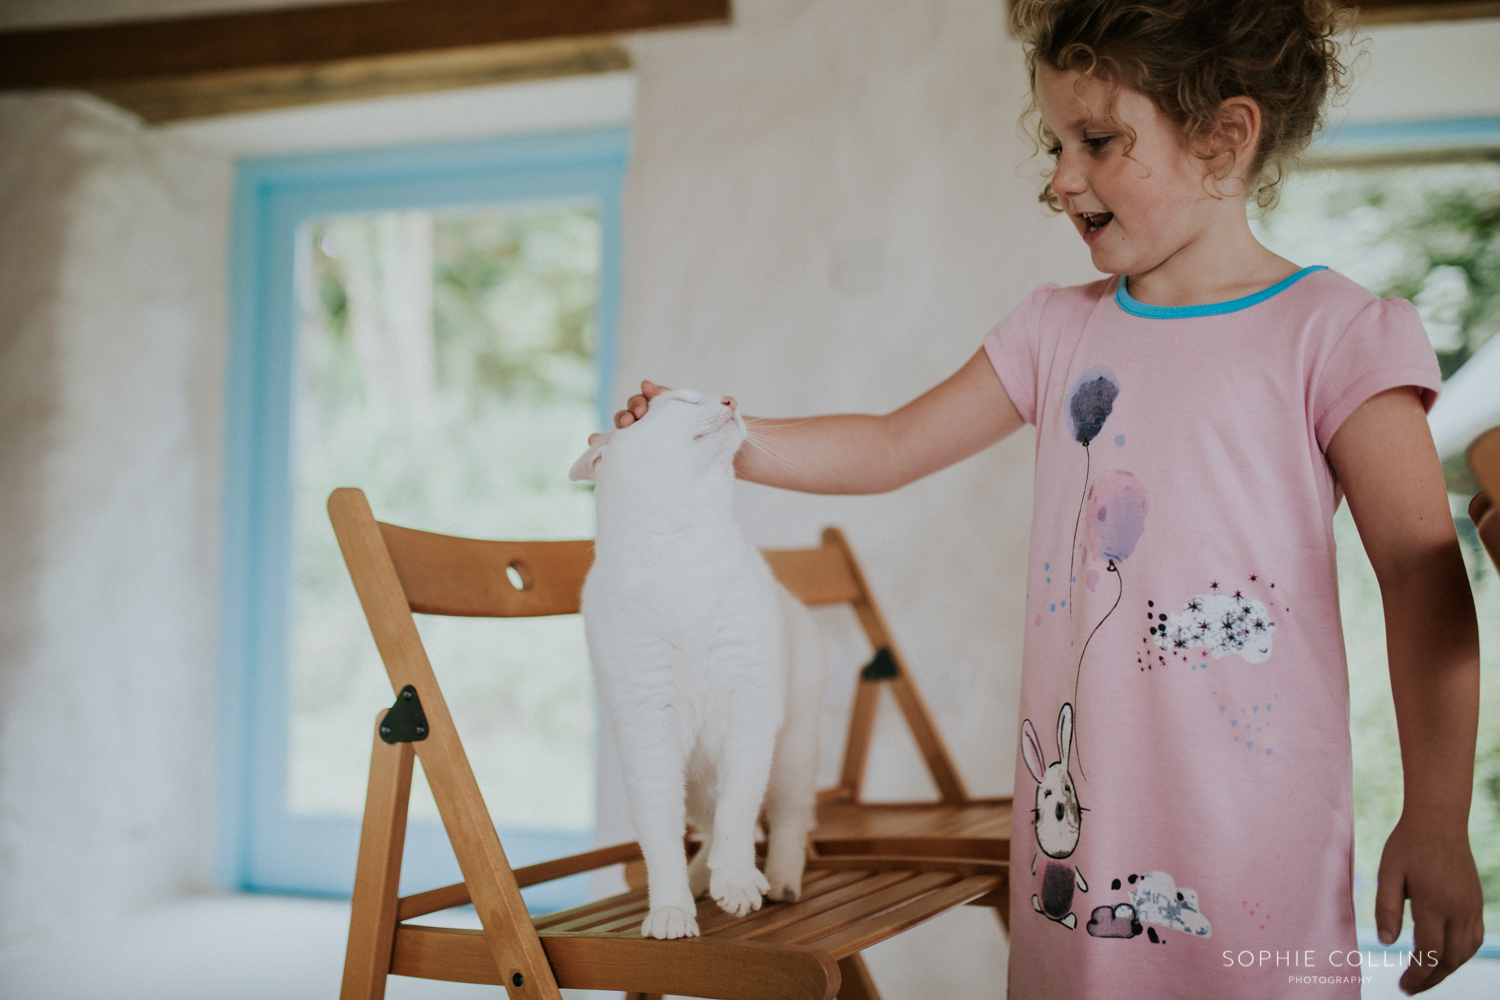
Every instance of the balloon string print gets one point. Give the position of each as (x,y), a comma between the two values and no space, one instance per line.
(1078,675)
(1117,506)
(1089,406)
(1073,551)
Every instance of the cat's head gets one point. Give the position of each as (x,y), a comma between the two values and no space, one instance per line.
(684,431)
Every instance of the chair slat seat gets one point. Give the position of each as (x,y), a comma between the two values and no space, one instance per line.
(847,905)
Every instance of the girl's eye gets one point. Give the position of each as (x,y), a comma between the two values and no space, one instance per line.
(1054,151)
(1097,143)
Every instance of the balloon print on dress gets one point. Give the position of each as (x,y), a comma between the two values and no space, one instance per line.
(1117,506)
(1090,403)
(1117,514)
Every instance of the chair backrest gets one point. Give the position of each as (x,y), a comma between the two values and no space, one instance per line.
(446,575)
(829,574)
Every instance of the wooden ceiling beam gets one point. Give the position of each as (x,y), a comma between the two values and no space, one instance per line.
(282,39)
(1410,11)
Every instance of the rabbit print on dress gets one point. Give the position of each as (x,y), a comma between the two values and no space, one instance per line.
(1058,819)
(709,671)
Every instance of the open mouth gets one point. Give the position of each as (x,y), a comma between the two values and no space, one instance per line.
(1095,221)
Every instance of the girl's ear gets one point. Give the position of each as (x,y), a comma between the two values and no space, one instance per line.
(1230,148)
(584,467)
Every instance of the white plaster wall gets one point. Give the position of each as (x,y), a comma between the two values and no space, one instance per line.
(112,277)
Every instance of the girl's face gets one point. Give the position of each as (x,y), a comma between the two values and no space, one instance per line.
(1136,211)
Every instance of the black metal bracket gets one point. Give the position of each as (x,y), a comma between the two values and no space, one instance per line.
(882,668)
(405,722)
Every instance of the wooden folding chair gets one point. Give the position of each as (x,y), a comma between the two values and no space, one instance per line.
(957,824)
(1484,459)
(808,950)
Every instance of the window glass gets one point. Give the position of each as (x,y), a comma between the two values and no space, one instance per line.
(446,367)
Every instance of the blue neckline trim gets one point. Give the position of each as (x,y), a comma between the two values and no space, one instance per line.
(1130,305)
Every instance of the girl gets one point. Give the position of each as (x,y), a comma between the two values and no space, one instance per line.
(1199,416)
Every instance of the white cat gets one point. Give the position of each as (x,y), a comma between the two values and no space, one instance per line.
(710,672)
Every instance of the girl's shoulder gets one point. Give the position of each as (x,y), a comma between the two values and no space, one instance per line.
(1340,309)
(1053,306)
(1054,295)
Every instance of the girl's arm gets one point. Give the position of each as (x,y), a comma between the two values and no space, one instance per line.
(1384,458)
(862,453)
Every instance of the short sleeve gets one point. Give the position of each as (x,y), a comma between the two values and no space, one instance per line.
(1385,347)
(1014,349)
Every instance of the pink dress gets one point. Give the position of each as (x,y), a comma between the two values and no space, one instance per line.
(1184,695)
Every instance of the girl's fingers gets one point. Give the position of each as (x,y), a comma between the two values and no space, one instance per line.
(1390,901)
(1428,940)
(638,404)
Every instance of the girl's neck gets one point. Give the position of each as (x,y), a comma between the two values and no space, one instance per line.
(1224,262)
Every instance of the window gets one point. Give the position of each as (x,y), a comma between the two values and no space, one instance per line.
(1424,225)
(432,325)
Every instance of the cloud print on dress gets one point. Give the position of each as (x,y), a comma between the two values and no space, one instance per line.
(1221,624)
(1159,901)
(1117,514)
(1114,922)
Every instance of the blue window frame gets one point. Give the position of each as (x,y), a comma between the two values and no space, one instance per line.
(261,845)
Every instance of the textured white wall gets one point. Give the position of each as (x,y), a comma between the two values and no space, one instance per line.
(112,275)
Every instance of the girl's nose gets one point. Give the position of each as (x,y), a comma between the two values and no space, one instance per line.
(729,402)
(1067,181)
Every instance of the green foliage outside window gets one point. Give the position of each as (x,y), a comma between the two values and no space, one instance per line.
(446,368)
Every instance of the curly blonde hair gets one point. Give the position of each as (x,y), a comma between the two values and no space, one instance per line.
(1189,57)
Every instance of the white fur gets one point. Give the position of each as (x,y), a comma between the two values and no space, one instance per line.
(711,673)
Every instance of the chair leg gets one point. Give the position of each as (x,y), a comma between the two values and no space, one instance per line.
(857,983)
(643,996)
(1002,910)
(372,915)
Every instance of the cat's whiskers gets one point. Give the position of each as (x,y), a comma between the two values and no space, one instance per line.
(762,440)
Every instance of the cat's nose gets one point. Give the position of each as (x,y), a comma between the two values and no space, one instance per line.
(729,402)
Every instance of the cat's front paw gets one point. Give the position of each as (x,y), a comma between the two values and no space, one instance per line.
(669,922)
(738,890)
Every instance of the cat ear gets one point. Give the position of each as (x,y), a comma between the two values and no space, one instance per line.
(584,467)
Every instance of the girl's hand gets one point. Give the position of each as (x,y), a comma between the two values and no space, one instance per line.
(1434,868)
(636,408)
